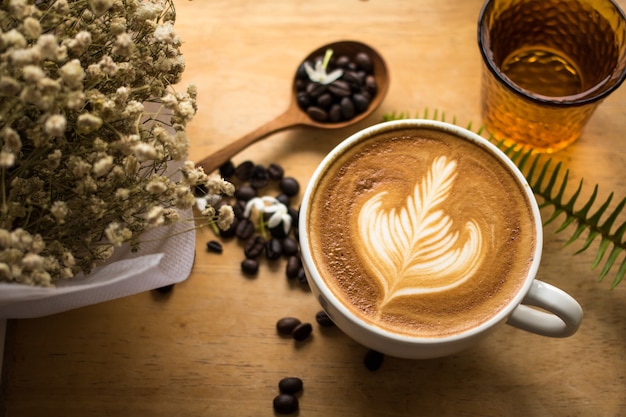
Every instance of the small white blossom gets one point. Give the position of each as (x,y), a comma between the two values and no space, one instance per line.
(55,125)
(268,204)
(72,73)
(318,74)
(32,28)
(103,165)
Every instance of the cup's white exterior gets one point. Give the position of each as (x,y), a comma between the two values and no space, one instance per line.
(563,314)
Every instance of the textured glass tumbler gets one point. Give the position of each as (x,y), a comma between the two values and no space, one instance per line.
(547,66)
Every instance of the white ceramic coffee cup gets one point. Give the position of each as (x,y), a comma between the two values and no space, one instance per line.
(559,315)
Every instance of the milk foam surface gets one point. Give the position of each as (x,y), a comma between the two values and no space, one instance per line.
(421,233)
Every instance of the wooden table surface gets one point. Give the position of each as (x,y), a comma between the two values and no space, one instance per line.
(211,349)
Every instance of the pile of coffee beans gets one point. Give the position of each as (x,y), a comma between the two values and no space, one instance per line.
(253,180)
(345,97)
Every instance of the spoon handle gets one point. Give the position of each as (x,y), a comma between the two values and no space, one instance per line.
(218,158)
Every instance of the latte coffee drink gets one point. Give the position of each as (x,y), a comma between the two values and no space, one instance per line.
(420,232)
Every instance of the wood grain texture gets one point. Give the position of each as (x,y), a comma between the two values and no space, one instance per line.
(210,348)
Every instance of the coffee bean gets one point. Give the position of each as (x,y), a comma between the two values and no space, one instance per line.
(289,186)
(245,229)
(347,108)
(373,360)
(352,78)
(259,177)
(250,266)
(245,193)
(317,114)
(227,169)
(360,102)
(323,319)
(316,89)
(286,325)
(254,247)
(239,209)
(243,170)
(285,404)
(301,73)
(290,246)
(283,198)
(370,85)
(302,277)
(304,99)
(294,264)
(340,88)
(325,100)
(342,61)
(214,246)
(295,216)
(302,331)
(273,249)
(275,171)
(364,62)
(334,114)
(290,385)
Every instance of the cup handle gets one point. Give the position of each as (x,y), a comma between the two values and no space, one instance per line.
(562,315)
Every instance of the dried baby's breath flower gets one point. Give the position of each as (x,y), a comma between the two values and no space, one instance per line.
(84,166)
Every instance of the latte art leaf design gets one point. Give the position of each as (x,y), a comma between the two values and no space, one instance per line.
(417,249)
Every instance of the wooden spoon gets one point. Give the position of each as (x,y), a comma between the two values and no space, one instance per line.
(296,116)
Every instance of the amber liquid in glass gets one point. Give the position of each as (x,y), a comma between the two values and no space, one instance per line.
(543,71)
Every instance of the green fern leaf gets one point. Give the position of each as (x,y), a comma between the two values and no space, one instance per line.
(551,186)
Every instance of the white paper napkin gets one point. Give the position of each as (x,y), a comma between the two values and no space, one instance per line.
(165,257)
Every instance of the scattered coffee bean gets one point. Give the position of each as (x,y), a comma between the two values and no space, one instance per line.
(254,247)
(166,289)
(323,319)
(294,265)
(239,209)
(286,325)
(302,331)
(245,193)
(285,404)
(227,169)
(259,177)
(278,231)
(284,199)
(273,249)
(290,385)
(244,170)
(373,360)
(295,215)
(214,246)
(275,172)
(289,186)
(302,277)
(250,266)
(290,246)
(245,229)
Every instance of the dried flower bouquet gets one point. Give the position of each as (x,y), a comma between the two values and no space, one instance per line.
(85,164)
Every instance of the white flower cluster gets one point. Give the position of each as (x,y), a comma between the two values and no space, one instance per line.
(84,165)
